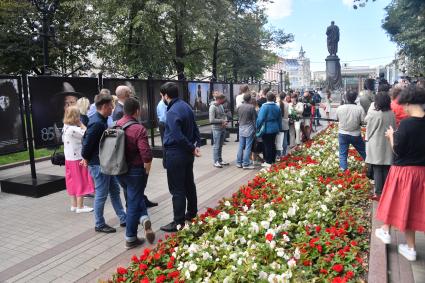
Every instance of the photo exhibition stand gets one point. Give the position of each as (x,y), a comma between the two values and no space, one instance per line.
(32,185)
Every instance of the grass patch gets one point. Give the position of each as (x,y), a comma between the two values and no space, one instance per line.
(23,156)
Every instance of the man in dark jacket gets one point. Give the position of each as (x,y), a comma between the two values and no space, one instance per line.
(181,145)
(104,184)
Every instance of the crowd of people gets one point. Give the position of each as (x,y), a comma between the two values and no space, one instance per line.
(269,125)
(393,149)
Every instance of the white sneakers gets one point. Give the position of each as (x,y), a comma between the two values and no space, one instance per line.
(383,235)
(408,253)
(84,209)
(218,165)
(266,165)
(81,210)
(403,249)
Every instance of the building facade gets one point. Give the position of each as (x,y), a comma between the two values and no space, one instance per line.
(297,70)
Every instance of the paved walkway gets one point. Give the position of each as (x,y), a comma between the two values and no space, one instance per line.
(42,241)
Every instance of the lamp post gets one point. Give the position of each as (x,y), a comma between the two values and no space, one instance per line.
(45,30)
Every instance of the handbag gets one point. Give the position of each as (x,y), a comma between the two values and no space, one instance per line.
(57,158)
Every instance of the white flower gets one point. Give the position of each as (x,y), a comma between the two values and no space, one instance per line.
(206,256)
(227,203)
(324,207)
(243,219)
(272,278)
(179,226)
(227,280)
(272,244)
(297,253)
(292,263)
(242,240)
(254,266)
(187,274)
(262,275)
(223,216)
(265,224)
(193,267)
(272,214)
(245,208)
(292,211)
(280,252)
(286,238)
(254,227)
(218,238)
(239,261)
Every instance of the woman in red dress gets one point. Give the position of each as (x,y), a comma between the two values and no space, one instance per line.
(403,198)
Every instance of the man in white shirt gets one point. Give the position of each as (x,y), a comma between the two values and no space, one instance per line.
(239,99)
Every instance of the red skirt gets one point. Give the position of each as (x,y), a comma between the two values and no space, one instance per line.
(402,202)
(78,179)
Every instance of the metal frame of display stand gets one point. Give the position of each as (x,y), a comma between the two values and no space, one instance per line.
(32,185)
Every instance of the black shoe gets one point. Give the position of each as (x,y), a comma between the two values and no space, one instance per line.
(123,224)
(135,243)
(149,204)
(171,227)
(189,217)
(105,229)
(89,196)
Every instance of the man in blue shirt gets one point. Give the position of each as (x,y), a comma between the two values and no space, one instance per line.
(104,184)
(181,145)
(161,113)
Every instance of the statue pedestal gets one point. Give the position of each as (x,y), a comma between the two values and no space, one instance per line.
(333,73)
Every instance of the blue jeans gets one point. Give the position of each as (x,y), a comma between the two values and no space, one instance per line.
(344,144)
(135,182)
(218,137)
(105,184)
(285,142)
(244,142)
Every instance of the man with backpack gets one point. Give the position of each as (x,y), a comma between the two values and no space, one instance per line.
(138,156)
(124,92)
(104,184)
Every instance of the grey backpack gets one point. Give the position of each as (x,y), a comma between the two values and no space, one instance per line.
(112,150)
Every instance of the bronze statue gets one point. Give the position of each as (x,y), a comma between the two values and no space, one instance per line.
(333,37)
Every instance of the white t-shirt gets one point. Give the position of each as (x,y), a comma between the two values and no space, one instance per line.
(72,142)
(239,100)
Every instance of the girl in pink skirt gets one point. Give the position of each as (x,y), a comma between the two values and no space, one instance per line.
(403,198)
(77,177)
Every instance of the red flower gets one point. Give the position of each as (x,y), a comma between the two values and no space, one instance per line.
(143,266)
(170,265)
(121,270)
(269,237)
(353,243)
(323,271)
(307,262)
(339,280)
(338,268)
(173,274)
(161,278)
(134,258)
(145,280)
(120,279)
(349,275)
(360,229)
(318,229)
(157,256)
(319,248)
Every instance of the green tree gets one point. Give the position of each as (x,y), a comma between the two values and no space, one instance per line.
(405,24)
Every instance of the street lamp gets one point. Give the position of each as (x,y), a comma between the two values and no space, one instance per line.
(45,29)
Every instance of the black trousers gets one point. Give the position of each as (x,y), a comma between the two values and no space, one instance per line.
(181,184)
(269,148)
(380,173)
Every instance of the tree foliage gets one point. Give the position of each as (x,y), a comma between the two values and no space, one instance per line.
(157,38)
(405,24)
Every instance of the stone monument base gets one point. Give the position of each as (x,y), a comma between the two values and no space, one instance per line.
(333,73)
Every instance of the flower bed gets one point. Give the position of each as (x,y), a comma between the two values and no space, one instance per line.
(301,221)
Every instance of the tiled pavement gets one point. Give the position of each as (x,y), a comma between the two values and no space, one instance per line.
(41,241)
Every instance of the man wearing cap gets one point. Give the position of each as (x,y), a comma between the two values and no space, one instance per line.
(104,184)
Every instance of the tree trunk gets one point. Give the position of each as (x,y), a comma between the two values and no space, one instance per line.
(179,54)
(214,59)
